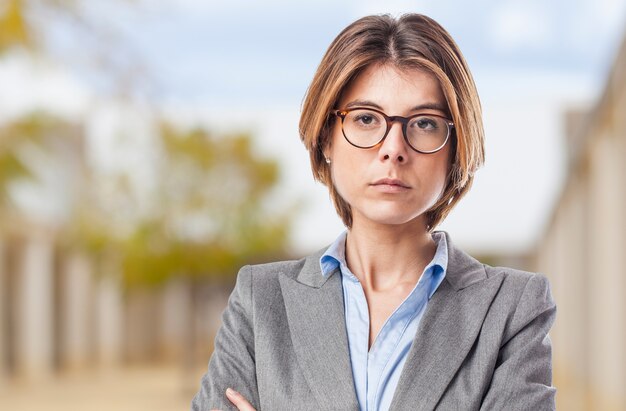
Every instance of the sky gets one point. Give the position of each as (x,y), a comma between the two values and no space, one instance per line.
(243,65)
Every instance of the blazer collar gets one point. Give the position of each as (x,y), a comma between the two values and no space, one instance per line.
(447,331)
(463,270)
(311,274)
(315,314)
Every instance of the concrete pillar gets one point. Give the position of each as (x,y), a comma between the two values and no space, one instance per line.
(4,344)
(77,311)
(579,298)
(620,135)
(208,318)
(34,314)
(141,326)
(570,349)
(556,253)
(109,319)
(606,284)
(175,312)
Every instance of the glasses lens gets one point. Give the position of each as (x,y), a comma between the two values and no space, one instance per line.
(364,128)
(427,133)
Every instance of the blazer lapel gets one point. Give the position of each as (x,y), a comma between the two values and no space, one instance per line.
(315,313)
(446,333)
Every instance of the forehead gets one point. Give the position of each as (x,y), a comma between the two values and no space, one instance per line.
(394,88)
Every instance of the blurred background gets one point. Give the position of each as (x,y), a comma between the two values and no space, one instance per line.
(149,148)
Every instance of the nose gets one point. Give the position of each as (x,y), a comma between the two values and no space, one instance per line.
(393,148)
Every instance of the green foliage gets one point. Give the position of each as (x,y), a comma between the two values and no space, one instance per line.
(17,29)
(211,208)
(31,129)
(211,212)
(14,30)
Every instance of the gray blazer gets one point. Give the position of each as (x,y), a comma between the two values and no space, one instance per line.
(482,343)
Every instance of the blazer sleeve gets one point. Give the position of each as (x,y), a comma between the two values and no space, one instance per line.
(522,379)
(232,363)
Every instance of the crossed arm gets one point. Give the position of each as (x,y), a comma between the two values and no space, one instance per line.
(232,364)
(238,401)
(521,379)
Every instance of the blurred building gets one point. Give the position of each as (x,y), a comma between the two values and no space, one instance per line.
(63,310)
(583,251)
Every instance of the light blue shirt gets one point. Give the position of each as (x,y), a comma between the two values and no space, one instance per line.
(376,373)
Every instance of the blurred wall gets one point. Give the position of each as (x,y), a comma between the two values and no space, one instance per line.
(583,251)
(63,309)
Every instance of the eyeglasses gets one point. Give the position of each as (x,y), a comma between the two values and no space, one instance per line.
(367,127)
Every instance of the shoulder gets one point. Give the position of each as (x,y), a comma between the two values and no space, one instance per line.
(266,277)
(273,269)
(521,283)
(259,275)
(525,295)
(510,287)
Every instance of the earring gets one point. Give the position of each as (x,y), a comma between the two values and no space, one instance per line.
(327,160)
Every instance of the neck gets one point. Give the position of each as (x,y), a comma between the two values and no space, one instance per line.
(383,257)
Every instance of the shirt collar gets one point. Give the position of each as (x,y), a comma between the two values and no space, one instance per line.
(335,257)
(439,264)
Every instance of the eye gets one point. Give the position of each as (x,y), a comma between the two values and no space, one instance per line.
(425,123)
(364,119)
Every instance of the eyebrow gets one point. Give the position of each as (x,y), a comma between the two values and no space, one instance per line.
(425,106)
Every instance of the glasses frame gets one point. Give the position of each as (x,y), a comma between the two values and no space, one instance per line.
(390,120)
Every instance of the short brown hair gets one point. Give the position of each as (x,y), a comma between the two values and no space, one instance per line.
(410,41)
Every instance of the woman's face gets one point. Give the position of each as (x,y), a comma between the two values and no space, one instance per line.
(390,183)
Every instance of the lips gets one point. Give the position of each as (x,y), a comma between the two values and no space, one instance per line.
(392,182)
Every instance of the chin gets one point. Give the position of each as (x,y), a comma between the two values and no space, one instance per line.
(392,218)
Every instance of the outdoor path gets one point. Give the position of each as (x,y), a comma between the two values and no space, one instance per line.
(128,389)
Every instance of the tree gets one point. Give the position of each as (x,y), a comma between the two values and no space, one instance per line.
(211,211)
(23,25)
(211,204)
(98,49)
(14,29)
(17,29)
(35,131)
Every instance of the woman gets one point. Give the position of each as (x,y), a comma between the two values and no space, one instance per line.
(392,315)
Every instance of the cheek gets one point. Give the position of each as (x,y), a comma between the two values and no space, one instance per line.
(342,171)
(346,165)
(433,172)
